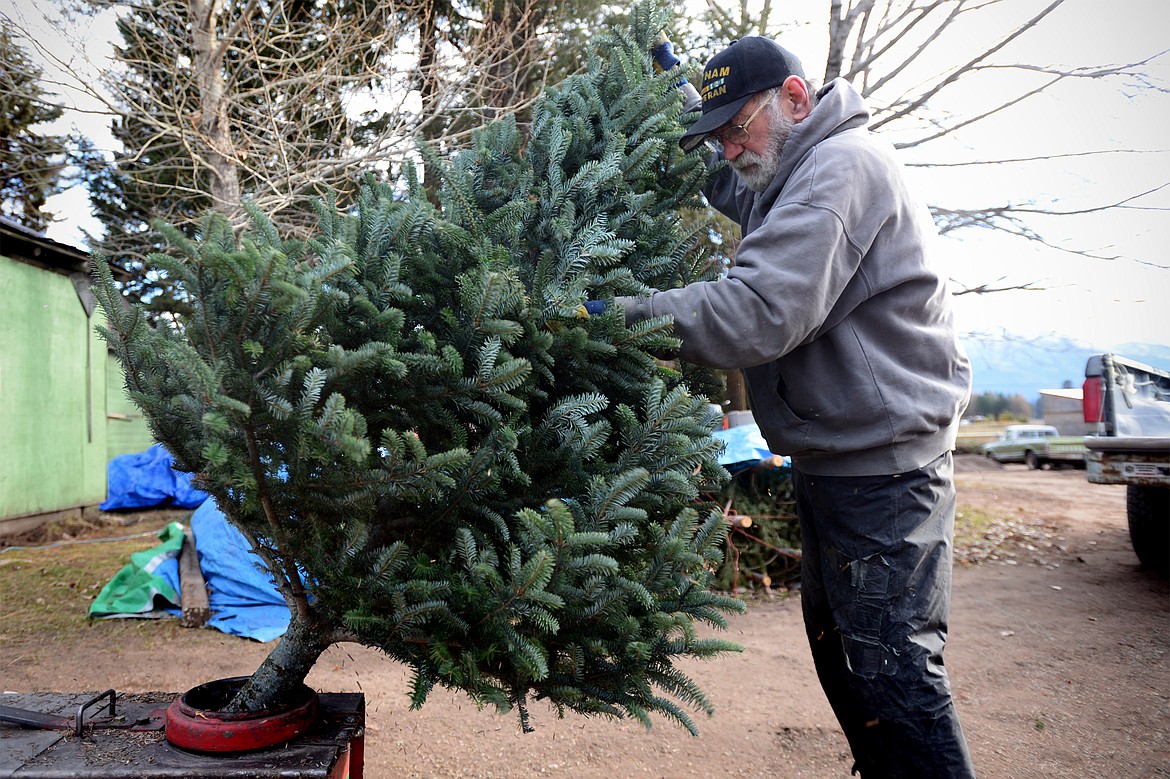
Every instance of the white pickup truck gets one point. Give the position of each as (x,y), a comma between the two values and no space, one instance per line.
(1130,405)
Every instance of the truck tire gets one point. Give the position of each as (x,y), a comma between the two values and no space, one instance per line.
(1148,510)
(1033,460)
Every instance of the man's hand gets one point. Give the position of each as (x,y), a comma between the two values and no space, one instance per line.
(664,60)
(664,56)
(591,308)
(587,309)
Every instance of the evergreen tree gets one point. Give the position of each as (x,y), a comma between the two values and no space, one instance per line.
(426,441)
(31,163)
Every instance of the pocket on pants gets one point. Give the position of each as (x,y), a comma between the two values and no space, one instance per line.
(869,604)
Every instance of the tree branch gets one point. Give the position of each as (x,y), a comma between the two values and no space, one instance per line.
(1040,158)
(989,288)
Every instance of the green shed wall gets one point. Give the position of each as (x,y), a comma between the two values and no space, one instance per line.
(126,430)
(52,395)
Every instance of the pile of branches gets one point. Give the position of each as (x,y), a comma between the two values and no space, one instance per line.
(762,550)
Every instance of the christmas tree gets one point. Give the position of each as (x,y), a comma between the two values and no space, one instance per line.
(427,440)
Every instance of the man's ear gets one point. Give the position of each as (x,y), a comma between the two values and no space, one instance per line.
(794,98)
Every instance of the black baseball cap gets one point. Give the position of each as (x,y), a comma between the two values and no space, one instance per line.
(747,66)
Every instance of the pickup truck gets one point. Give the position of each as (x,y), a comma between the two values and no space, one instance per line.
(1129,403)
(1037,446)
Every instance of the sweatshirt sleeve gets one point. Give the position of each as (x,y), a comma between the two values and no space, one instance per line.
(789,282)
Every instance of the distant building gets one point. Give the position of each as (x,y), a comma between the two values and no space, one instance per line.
(1061,408)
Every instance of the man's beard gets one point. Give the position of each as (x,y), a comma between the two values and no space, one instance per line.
(757,170)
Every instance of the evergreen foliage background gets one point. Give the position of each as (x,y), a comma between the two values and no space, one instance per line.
(430,447)
(32,163)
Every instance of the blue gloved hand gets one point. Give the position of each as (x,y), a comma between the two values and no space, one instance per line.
(665,59)
(591,308)
(664,56)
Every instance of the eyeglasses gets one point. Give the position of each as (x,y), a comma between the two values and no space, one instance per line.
(737,133)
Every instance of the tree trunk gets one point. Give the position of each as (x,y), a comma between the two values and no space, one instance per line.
(838,36)
(736,391)
(214,128)
(428,61)
(280,675)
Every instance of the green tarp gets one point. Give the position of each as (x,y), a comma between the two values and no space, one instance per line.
(146,586)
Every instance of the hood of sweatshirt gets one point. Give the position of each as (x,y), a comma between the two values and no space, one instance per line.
(839,107)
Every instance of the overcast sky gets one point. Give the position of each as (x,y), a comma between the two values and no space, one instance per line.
(1101,303)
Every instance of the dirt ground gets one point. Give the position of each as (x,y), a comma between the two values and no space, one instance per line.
(1058,657)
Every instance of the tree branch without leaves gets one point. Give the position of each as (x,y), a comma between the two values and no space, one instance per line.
(878,44)
(990,287)
(1012,219)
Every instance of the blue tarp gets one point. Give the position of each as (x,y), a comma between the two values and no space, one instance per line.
(744,444)
(147,479)
(244,600)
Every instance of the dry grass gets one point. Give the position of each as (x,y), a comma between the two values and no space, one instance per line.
(980,537)
(46,588)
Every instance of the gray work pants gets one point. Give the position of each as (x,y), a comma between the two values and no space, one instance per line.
(875,589)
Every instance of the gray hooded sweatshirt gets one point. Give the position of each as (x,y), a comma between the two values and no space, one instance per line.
(833,310)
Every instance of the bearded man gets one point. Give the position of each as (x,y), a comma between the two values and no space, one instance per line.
(844,331)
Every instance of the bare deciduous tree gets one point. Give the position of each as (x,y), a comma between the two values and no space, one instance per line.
(908,57)
(278,101)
